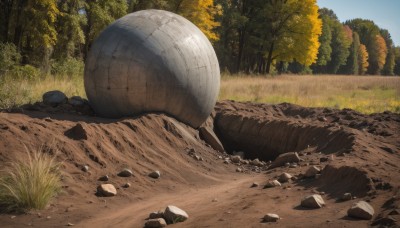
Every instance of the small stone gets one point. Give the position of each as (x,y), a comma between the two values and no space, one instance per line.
(107,190)
(155,223)
(13,217)
(312,171)
(271,217)
(284,177)
(125,173)
(323,159)
(312,201)
(226,161)
(70,224)
(104,178)
(236,159)
(155,174)
(156,215)
(293,166)
(54,98)
(127,185)
(394,212)
(347,196)
(254,185)
(173,214)
(76,101)
(214,200)
(273,183)
(361,210)
(246,162)
(198,158)
(287,164)
(256,162)
(219,157)
(85,168)
(48,217)
(239,170)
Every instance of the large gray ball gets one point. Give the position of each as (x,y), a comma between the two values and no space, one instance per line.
(153,61)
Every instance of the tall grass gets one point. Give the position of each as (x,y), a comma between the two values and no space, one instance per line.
(367,94)
(29,183)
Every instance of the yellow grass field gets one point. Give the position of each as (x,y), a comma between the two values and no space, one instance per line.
(367,94)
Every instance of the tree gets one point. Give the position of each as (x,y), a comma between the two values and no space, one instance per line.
(362,59)
(396,69)
(378,53)
(388,68)
(352,65)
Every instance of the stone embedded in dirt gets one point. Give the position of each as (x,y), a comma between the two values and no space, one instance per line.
(323,159)
(156,215)
(285,158)
(271,217)
(245,162)
(239,170)
(85,168)
(155,174)
(210,138)
(236,159)
(173,214)
(284,177)
(198,158)
(54,98)
(155,223)
(256,162)
(361,210)
(107,190)
(70,224)
(104,178)
(346,197)
(272,183)
(254,185)
(76,101)
(125,173)
(239,153)
(126,185)
(312,171)
(312,201)
(77,132)
(394,212)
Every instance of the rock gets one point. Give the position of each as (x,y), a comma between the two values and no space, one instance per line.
(239,170)
(285,158)
(155,174)
(239,153)
(346,197)
(156,215)
(54,98)
(273,183)
(70,224)
(294,165)
(256,162)
(77,132)
(208,135)
(284,177)
(323,159)
(245,162)
(198,158)
(155,223)
(76,101)
(174,214)
(226,161)
(85,168)
(312,201)
(125,173)
(126,185)
(312,171)
(271,217)
(107,190)
(236,159)
(104,178)
(361,210)
(254,185)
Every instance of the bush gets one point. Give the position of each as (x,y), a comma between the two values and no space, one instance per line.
(30,183)
(25,72)
(9,57)
(69,67)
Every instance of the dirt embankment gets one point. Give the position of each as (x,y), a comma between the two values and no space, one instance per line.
(357,154)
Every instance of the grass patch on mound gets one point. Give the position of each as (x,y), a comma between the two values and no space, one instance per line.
(29,183)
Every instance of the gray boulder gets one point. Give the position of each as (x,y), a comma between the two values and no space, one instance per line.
(361,210)
(76,101)
(312,201)
(285,158)
(173,214)
(156,174)
(54,98)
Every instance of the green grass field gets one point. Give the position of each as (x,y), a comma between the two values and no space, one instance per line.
(367,94)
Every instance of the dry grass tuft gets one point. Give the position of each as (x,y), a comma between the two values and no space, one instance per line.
(29,183)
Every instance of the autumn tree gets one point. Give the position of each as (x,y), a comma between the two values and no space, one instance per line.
(362,59)
(378,53)
(352,65)
(388,68)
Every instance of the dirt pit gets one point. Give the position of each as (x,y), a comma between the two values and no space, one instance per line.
(356,153)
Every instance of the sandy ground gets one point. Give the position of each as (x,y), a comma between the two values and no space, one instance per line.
(357,153)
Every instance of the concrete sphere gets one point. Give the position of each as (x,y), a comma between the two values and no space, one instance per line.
(153,61)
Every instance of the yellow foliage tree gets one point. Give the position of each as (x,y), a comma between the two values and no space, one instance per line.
(381,51)
(362,59)
(201,13)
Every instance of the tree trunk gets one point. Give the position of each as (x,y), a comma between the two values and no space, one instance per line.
(269,60)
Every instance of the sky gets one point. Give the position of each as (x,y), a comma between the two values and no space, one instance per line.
(385,13)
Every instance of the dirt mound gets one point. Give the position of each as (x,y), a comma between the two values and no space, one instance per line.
(357,153)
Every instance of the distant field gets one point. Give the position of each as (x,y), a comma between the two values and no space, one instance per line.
(367,94)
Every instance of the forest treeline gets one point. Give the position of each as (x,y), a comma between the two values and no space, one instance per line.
(250,36)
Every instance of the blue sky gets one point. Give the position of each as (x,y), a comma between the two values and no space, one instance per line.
(385,13)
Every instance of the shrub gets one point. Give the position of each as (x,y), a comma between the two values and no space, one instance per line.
(30,183)
(9,57)
(25,72)
(69,67)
